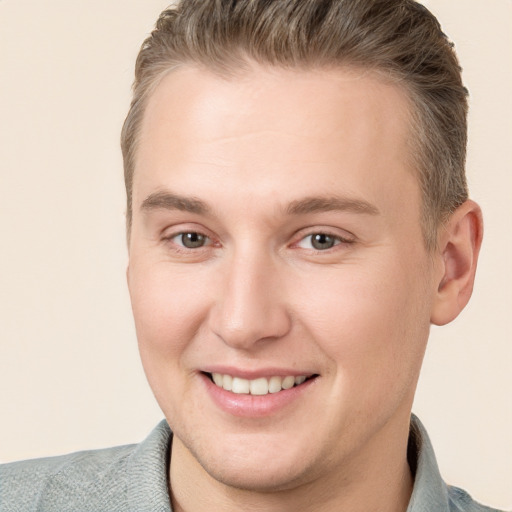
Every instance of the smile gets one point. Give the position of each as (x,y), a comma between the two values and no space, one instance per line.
(260,386)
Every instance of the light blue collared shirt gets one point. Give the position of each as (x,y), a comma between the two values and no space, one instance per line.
(430,493)
(134,479)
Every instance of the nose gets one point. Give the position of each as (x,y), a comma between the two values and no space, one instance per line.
(250,307)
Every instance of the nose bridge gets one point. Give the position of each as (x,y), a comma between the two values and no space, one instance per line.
(251,305)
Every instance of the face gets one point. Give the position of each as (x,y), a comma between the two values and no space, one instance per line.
(276,242)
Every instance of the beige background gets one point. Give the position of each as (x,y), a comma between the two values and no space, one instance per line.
(70,377)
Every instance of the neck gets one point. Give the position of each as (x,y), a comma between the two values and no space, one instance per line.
(377,480)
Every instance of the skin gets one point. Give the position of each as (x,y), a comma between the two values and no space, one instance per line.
(254,150)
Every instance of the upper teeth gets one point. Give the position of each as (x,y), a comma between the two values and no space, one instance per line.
(261,386)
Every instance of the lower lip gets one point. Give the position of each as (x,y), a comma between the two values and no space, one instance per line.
(255,406)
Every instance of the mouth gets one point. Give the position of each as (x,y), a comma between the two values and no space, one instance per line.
(260,386)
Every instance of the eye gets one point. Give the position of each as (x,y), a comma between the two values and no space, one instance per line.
(191,240)
(321,241)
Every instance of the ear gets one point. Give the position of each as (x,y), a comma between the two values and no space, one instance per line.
(459,242)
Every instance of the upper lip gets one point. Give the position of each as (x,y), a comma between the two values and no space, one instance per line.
(251,374)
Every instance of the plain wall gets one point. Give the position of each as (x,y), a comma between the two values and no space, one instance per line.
(70,376)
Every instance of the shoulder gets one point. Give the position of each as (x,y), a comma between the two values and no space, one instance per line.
(131,478)
(43,484)
(461,501)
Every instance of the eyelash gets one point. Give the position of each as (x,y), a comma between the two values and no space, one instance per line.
(338,240)
(180,247)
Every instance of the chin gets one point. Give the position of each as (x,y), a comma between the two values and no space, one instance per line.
(263,467)
(261,478)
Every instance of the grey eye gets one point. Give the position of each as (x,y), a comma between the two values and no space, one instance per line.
(322,241)
(192,240)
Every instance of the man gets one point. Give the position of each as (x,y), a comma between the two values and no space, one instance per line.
(297,218)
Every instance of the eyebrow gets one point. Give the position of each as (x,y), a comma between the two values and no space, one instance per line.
(331,203)
(169,201)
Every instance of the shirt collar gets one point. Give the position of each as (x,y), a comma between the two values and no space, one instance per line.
(429,491)
(148,469)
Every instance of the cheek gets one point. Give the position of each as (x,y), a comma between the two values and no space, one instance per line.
(168,307)
(168,310)
(371,320)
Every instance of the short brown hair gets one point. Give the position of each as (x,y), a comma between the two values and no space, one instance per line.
(399,38)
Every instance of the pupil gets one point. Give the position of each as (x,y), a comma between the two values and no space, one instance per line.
(192,240)
(322,241)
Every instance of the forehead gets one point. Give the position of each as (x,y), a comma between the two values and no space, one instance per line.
(271,127)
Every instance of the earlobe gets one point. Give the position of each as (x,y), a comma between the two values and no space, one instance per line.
(459,243)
